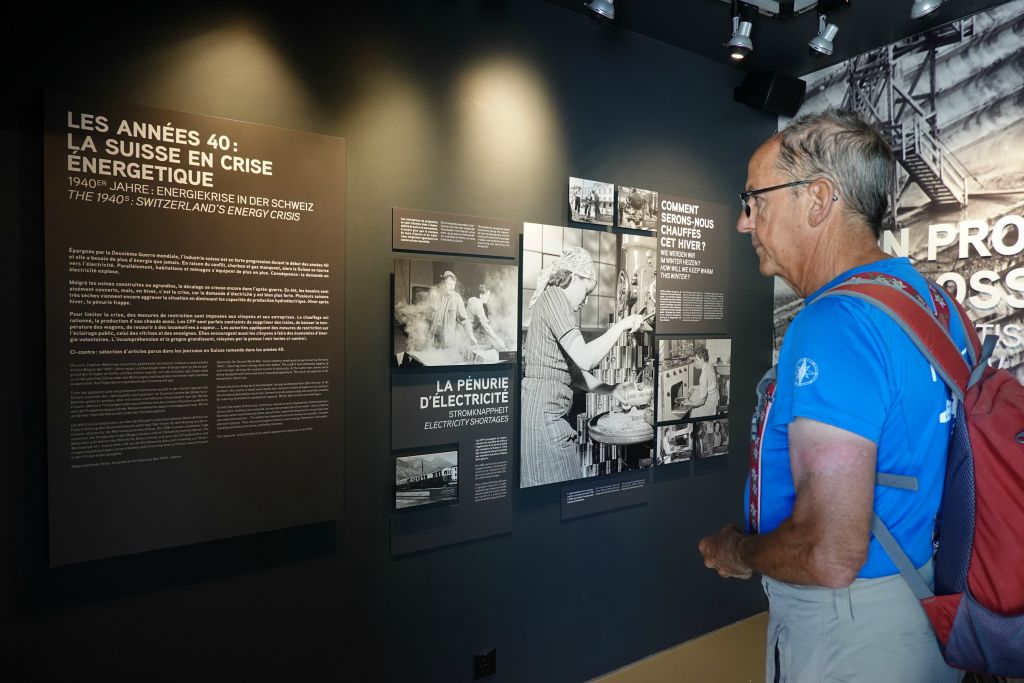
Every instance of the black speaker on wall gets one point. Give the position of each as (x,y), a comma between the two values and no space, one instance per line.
(772,91)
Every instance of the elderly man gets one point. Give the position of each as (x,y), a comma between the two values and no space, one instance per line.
(853,397)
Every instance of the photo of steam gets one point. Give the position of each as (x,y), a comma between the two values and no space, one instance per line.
(591,201)
(949,101)
(675,443)
(588,297)
(711,438)
(426,478)
(454,313)
(637,209)
(693,378)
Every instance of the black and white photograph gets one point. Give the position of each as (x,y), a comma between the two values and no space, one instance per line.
(956,126)
(711,438)
(675,443)
(426,479)
(454,313)
(693,378)
(591,201)
(588,353)
(637,209)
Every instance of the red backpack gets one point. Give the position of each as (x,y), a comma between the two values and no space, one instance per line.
(977,607)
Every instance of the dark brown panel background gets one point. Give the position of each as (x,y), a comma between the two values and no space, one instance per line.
(226,486)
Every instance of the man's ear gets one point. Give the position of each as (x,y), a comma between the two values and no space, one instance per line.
(823,199)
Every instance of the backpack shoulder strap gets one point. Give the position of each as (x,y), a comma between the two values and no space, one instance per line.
(908,310)
(891,546)
(899,558)
(974,345)
(979,350)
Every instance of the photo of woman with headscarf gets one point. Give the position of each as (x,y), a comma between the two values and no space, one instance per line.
(557,358)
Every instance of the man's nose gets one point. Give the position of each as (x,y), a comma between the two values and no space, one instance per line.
(745,222)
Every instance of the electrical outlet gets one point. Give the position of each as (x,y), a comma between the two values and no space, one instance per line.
(485,663)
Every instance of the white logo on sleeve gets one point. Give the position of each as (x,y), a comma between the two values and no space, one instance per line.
(806,372)
(947,415)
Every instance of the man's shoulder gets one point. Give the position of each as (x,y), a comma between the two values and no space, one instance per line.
(828,315)
(838,328)
(831,311)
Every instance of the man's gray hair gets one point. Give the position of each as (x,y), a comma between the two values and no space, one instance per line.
(844,148)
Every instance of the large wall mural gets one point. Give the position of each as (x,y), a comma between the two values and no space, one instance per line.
(951,103)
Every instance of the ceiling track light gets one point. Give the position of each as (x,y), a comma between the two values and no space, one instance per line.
(606,8)
(922,8)
(740,44)
(821,44)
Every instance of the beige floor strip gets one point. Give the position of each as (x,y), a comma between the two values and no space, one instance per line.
(732,654)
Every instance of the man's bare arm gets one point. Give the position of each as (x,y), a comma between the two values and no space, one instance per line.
(825,541)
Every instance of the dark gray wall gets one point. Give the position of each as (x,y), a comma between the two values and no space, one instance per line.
(472,107)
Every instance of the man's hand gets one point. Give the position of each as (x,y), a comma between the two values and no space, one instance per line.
(721,553)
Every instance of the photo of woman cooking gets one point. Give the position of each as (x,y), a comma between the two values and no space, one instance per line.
(693,378)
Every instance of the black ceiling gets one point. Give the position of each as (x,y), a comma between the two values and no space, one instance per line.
(703,26)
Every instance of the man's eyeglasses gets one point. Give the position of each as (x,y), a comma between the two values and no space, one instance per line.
(745,196)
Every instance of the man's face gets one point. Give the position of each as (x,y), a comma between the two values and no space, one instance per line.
(772,214)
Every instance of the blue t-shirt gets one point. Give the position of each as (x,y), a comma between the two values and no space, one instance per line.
(845,363)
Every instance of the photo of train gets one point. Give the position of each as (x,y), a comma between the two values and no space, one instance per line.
(442,477)
(426,479)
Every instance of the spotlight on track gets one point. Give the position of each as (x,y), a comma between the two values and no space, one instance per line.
(922,8)
(606,8)
(821,44)
(740,45)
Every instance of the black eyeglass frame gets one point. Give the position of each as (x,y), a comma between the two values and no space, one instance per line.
(744,196)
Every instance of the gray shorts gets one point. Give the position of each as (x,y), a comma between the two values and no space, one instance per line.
(874,631)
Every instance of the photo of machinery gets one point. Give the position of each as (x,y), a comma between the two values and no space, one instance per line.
(637,209)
